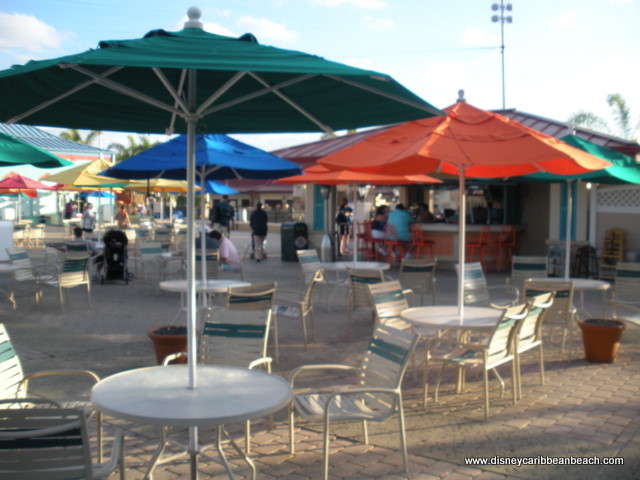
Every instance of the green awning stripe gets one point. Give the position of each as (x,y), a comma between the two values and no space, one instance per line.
(385,297)
(234,330)
(387,350)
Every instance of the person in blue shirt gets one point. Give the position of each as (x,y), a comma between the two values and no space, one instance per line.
(401,220)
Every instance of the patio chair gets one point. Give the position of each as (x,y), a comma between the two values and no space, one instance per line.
(359,296)
(420,243)
(495,351)
(419,276)
(523,268)
(162,236)
(74,273)
(528,334)
(50,442)
(212,259)
(375,395)
(625,295)
(310,264)
(478,247)
(477,292)
(14,384)
(27,274)
(562,314)
(503,247)
(299,305)
(261,297)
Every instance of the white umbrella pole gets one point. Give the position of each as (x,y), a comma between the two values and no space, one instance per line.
(203,246)
(567,247)
(462,239)
(191,291)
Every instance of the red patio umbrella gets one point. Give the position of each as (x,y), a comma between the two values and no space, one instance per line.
(15,183)
(467,141)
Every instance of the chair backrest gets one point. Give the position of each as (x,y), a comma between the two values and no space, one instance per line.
(11,373)
(44,443)
(389,301)
(529,330)
(418,275)
(307,298)
(527,267)
(253,297)
(561,311)
(75,271)
(163,237)
(309,262)
(626,285)
(77,248)
(360,279)
(500,343)
(390,232)
(475,284)
(235,338)
(150,249)
(507,236)
(212,258)
(384,363)
(20,258)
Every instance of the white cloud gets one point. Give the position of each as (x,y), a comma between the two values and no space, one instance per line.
(218,29)
(265,29)
(27,33)
(359,63)
(369,4)
(621,1)
(379,23)
(476,37)
(564,22)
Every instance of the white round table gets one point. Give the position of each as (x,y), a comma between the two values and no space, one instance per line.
(447,317)
(342,266)
(582,285)
(160,396)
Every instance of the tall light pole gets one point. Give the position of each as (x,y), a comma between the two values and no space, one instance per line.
(502,17)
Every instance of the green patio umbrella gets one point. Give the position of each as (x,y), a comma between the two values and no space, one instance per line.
(14,151)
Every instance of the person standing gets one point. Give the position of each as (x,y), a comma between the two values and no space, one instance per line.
(122,217)
(259,226)
(225,215)
(343,221)
(88,219)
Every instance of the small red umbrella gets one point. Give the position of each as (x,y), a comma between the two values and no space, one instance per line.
(15,184)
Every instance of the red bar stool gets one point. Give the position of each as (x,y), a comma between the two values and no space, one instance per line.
(363,240)
(420,243)
(503,247)
(391,242)
(479,246)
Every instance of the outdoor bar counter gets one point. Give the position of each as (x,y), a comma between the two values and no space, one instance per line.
(445,236)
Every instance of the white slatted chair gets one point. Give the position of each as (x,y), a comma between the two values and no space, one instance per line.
(212,259)
(359,296)
(52,443)
(14,384)
(420,276)
(375,395)
(310,264)
(28,274)
(624,301)
(562,314)
(496,351)
(74,273)
(477,292)
(528,334)
(299,305)
(523,268)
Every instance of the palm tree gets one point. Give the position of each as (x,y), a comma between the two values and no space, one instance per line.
(621,115)
(75,136)
(134,147)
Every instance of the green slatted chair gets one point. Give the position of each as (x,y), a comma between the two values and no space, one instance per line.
(523,268)
(562,314)
(495,351)
(625,295)
(260,297)
(77,248)
(74,273)
(310,264)
(477,292)
(419,275)
(389,300)
(14,384)
(52,443)
(27,274)
(375,395)
(359,296)
(528,333)
(213,269)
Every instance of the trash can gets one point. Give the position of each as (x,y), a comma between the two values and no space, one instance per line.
(294,237)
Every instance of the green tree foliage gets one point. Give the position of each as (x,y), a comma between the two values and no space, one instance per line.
(621,114)
(75,136)
(134,146)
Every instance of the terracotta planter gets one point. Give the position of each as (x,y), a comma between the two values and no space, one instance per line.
(167,340)
(601,338)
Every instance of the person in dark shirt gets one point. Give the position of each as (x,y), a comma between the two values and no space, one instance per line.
(259,226)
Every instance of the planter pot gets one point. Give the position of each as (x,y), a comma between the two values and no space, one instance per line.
(167,340)
(601,338)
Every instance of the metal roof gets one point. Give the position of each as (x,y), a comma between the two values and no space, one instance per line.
(56,145)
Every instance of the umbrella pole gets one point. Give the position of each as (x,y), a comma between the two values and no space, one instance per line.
(202,229)
(462,239)
(567,247)
(191,291)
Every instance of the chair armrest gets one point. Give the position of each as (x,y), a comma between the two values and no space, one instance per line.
(511,296)
(172,357)
(261,361)
(47,373)
(325,366)
(409,295)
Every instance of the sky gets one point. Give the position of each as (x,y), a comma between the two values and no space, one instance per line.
(560,56)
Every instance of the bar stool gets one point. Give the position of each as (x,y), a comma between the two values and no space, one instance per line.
(503,247)
(478,247)
(363,240)
(420,243)
(391,242)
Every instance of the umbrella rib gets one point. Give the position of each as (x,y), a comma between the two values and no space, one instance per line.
(53,100)
(129,92)
(282,96)
(227,85)
(172,91)
(183,76)
(395,98)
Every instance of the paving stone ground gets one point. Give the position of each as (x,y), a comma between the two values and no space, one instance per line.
(584,410)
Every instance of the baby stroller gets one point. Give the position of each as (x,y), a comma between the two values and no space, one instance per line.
(115,256)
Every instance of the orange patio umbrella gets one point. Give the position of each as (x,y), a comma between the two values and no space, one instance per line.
(469,142)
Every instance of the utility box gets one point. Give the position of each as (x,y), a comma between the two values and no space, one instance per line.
(294,236)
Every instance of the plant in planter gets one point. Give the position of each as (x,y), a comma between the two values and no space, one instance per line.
(167,340)
(601,338)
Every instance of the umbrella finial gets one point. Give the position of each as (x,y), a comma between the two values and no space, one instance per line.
(461,96)
(194,15)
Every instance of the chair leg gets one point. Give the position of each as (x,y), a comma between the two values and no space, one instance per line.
(365,432)
(313,325)
(291,428)
(276,343)
(403,438)
(541,360)
(247,437)
(304,328)
(325,449)
(485,374)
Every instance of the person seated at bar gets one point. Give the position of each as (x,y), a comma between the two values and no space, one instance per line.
(425,214)
(401,220)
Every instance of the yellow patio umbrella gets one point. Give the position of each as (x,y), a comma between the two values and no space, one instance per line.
(86,176)
(159,185)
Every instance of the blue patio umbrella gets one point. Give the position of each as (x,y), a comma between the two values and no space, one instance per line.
(211,186)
